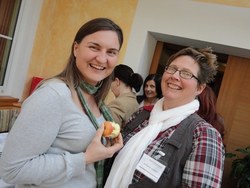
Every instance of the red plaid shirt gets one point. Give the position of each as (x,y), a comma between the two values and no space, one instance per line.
(204,167)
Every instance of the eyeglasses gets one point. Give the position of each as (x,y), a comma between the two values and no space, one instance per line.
(183,74)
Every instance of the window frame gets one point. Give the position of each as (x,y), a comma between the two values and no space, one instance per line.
(10,11)
(21,49)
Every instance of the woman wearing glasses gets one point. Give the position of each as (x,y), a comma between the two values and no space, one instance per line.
(174,147)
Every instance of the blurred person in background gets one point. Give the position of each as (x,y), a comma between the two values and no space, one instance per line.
(124,86)
(151,90)
(207,110)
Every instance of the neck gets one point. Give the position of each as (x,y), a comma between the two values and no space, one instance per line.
(125,89)
(150,100)
(168,104)
(88,88)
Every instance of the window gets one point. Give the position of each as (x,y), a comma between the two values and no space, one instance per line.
(9,10)
(20,47)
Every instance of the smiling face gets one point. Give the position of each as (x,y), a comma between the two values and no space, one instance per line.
(150,89)
(176,90)
(97,55)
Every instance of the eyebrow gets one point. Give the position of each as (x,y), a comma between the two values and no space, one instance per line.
(96,44)
(182,69)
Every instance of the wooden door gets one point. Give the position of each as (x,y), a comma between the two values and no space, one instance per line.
(234,105)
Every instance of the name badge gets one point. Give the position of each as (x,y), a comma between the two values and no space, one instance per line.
(150,167)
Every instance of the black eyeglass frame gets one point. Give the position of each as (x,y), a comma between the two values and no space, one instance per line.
(180,73)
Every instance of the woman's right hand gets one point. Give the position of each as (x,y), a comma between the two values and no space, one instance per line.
(96,151)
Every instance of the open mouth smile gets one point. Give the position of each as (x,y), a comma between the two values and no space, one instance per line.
(97,67)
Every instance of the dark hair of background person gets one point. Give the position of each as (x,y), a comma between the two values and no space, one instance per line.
(71,75)
(157,80)
(207,110)
(127,76)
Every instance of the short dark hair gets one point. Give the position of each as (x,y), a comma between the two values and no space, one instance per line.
(206,60)
(127,76)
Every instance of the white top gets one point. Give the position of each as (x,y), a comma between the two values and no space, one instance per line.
(46,145)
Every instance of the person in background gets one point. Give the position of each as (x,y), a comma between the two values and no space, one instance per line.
(56,140)
(174,147)
(124,86)
(151,90)
(207,110)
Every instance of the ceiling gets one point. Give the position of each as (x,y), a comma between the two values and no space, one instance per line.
(229,50)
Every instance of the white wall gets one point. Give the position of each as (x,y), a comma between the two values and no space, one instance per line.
(225,28)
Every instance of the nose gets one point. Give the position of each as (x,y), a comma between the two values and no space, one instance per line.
(176,75)
(147,88)
(102,57)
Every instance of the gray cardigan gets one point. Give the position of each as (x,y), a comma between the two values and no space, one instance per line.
(45,147)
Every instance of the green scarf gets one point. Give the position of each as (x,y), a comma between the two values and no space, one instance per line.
(99,166)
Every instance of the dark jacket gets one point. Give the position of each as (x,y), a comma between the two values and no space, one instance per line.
(177,150)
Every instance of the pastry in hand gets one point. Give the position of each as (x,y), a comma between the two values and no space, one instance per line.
(111,129)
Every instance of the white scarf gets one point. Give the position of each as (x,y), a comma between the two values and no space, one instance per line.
(125,163)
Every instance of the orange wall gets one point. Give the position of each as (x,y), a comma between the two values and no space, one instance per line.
(59,22)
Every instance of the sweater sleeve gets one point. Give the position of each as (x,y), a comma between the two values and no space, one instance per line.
(25,159)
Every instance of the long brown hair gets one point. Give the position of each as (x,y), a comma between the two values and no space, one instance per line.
(71,75)
(207,109)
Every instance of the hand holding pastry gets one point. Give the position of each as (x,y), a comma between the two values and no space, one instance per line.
(97,151)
